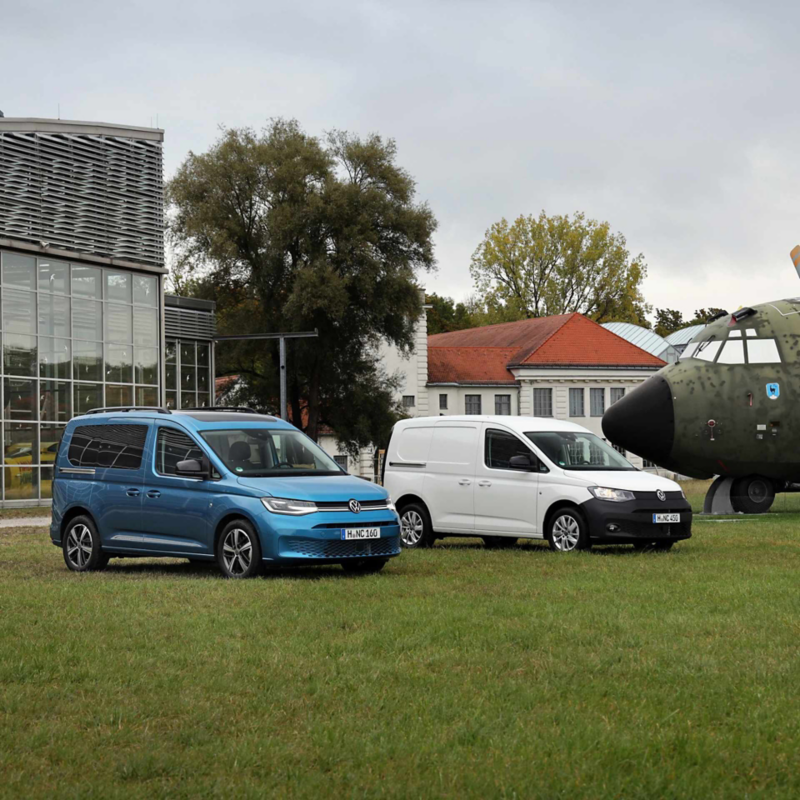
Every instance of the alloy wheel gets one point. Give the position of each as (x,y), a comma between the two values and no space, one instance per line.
(79,546)
(566,533)
(411,528)
(237,551)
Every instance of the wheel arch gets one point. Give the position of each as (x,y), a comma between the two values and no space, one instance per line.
(408,498)
(557,506)
(227,518)
(70,514)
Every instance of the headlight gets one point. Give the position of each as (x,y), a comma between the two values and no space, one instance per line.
(614,495)
(280,505)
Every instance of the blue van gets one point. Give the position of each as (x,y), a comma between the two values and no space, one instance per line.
(225,485)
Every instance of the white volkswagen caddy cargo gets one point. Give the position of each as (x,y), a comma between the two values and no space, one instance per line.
(502,478)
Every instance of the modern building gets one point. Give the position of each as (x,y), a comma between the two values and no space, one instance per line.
(83,316)
(680,339)
(646,339)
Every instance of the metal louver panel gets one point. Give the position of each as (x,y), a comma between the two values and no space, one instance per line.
(93,194)
(181,323)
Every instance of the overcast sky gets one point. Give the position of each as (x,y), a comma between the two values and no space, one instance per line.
(675,122)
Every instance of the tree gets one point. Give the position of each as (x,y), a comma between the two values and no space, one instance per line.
(537,267)
(668,320)
(446,315)
(287,233)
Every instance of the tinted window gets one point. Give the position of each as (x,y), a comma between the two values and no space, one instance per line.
(500,447)
(173,446)
(117,446)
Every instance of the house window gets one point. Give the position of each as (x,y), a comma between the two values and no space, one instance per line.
(502,404)
(597,399)
(648,464)
(616,394)
(341,461)
(620,450)
(408,401)
(442,402)
(542,402)
(576,403)
(472,403)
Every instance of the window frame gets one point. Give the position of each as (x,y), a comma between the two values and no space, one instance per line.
(473,397)
(503,397)
(214,473)
(549,390)
(145,424)
(592,393)
(445,398)
(576,390)
(537,467)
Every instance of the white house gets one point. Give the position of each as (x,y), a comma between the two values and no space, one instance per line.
(566,367)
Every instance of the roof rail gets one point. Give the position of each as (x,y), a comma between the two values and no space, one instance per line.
(124,409)
(224,409)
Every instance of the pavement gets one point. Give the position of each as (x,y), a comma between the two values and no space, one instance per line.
(25,522)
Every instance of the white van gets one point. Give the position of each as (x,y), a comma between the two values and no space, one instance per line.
(503,478)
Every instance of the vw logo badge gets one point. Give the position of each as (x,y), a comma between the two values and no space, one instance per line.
(355,506)
(661,496)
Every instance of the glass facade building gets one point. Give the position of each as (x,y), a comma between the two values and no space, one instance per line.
(75,337)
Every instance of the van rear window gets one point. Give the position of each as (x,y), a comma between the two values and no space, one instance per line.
(110,446)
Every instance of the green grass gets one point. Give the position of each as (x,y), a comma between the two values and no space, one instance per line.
(22,513)
(456,672)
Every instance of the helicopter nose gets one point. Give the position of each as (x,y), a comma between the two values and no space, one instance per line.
(643,421)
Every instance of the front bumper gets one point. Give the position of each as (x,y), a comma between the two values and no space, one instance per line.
(620,523)
(317,538)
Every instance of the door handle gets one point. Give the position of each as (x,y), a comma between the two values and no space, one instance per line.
(132,492)
(484,483)
(464,482)
(153,493)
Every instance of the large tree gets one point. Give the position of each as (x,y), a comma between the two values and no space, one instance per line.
(291,233)
(539,266)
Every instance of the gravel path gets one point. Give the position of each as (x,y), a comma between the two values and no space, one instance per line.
(25,522)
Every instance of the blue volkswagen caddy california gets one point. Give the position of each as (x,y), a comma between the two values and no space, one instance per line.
(212,484)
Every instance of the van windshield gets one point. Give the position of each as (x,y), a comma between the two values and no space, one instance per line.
(579,451)
(270,452)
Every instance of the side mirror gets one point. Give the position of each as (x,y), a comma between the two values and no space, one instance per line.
(193,468)
(522,462)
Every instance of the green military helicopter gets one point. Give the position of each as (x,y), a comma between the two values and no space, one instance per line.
(729,407)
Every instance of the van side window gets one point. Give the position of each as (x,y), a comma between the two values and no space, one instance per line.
(173,446)
(110,446)
(500,447)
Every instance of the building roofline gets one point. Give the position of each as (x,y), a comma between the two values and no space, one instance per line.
(195,303)
(77,255)
(42,125)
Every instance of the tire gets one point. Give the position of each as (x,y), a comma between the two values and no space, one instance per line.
(499,542)
(753,494)
(415,527)
(567,531)
(364,566)
(81,546)
(239,550)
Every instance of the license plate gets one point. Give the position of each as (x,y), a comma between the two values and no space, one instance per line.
(360,533)
(669,518)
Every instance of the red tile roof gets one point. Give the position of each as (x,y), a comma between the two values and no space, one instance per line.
(484,355)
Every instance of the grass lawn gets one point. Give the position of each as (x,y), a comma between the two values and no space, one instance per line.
(456,672)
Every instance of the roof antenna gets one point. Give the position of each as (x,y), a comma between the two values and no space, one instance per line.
(59,110)
(795,256)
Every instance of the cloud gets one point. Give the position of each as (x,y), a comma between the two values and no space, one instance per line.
(675,122)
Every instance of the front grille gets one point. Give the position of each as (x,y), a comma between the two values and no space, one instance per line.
(337,525)
(341,505)
(335,548)
(659,505)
